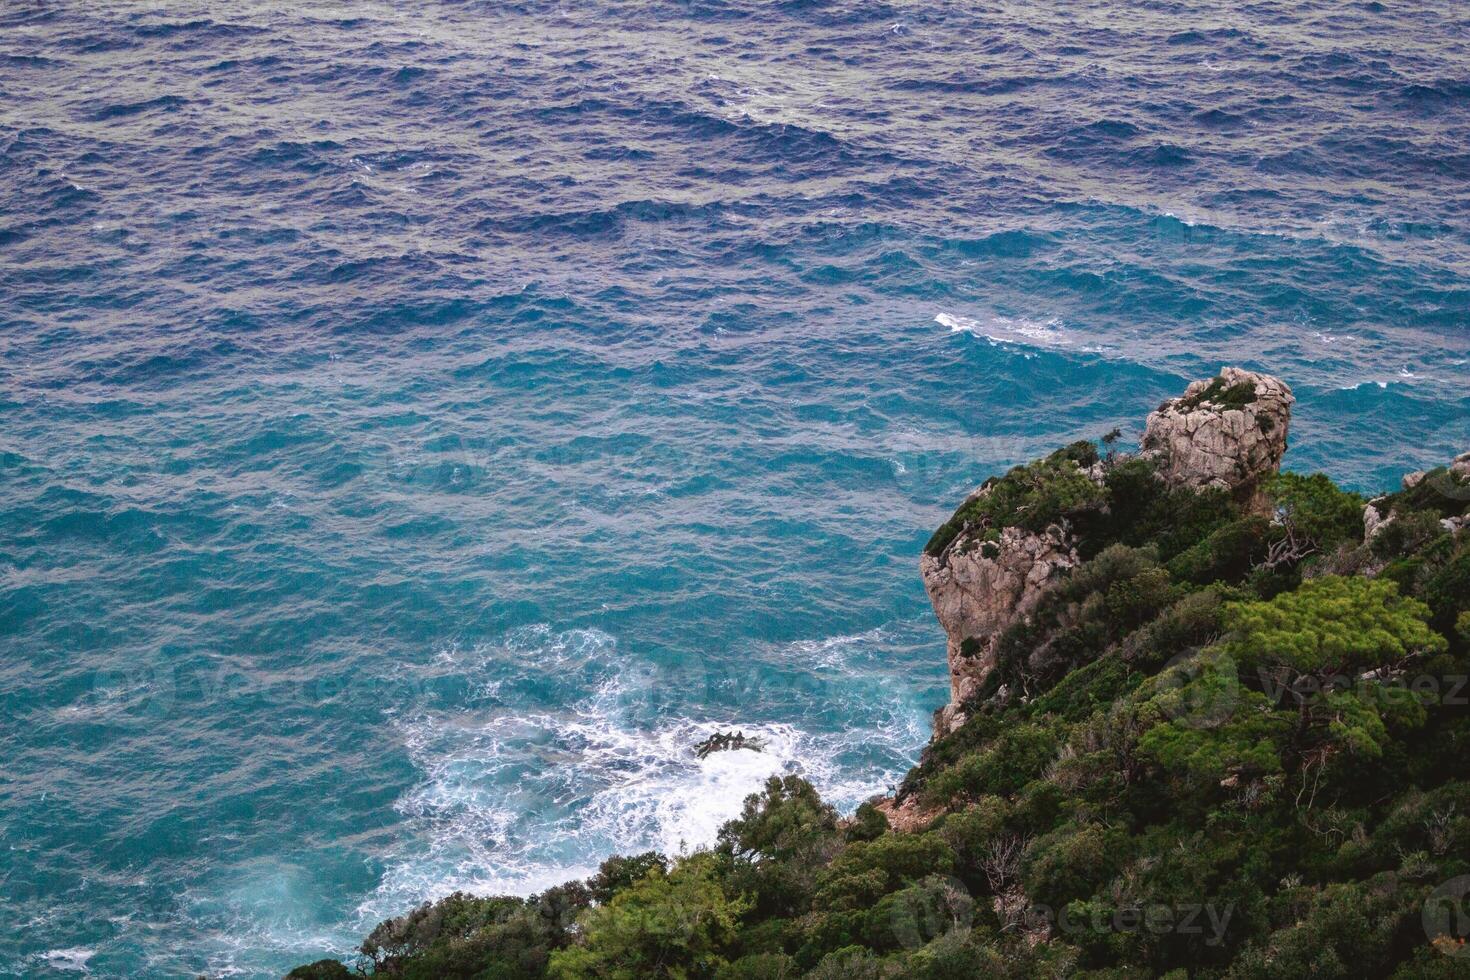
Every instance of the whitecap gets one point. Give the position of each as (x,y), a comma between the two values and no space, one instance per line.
(601,787)
(1008,330)
(513,801)
(836,651)
(71,960)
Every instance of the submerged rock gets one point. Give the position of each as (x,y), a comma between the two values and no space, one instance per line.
(728,741)
(1228,431)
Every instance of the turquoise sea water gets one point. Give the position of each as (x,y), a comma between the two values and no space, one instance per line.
(421,425)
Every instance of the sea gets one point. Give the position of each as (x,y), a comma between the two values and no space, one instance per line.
(421,423)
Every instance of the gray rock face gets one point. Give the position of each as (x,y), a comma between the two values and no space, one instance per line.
(979,590)
(1226,432)
(1374,520)
(1229,431)
(1452,484)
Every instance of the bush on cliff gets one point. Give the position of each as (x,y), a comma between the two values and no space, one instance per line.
(1032,497)
(676,924)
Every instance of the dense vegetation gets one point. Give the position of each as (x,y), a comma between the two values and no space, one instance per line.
(1230,744)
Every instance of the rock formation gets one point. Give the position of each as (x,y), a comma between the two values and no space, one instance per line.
(978,592)
(1450,483)
(728,742)
(1228,431)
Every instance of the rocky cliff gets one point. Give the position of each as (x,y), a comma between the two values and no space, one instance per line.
(990,565)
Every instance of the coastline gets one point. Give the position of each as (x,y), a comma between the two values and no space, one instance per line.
(1166,640)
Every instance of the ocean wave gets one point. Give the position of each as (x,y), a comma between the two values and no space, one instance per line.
(1010,330)
(511,801)
(520,802)
(70,960)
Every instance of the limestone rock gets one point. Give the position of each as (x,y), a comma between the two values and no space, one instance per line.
(978,589)
(1461,466)
(1228,431)
(1375,520)
(906,817)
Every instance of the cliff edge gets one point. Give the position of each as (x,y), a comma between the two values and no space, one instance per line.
(989,565)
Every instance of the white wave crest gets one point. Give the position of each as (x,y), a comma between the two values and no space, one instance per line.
(515,801)
(1010,330)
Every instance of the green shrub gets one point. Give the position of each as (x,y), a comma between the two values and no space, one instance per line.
(675,925)
(1346,933)
(1448,592)
(321,970)
(866,824)
(1317,509)
(1330,626)
(1226,555)
(1143,511)
(617,873)
(851,963)
(459,935)
(1408,532)
(1071,862)
(776,846)
(760,966)
(867,870)
(785,820)
(1440,492)
(1201,722)
(1221,395)
(1032,497)
(972,832)
(1009,762)
(1188,624)
(955,955)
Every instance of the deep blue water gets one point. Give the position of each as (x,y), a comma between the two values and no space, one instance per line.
(420,424)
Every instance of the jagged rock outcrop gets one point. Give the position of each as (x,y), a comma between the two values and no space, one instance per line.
(728,742)
(1451,483)
(1374,520)
(908,816)
(1228,431)
(979,590)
